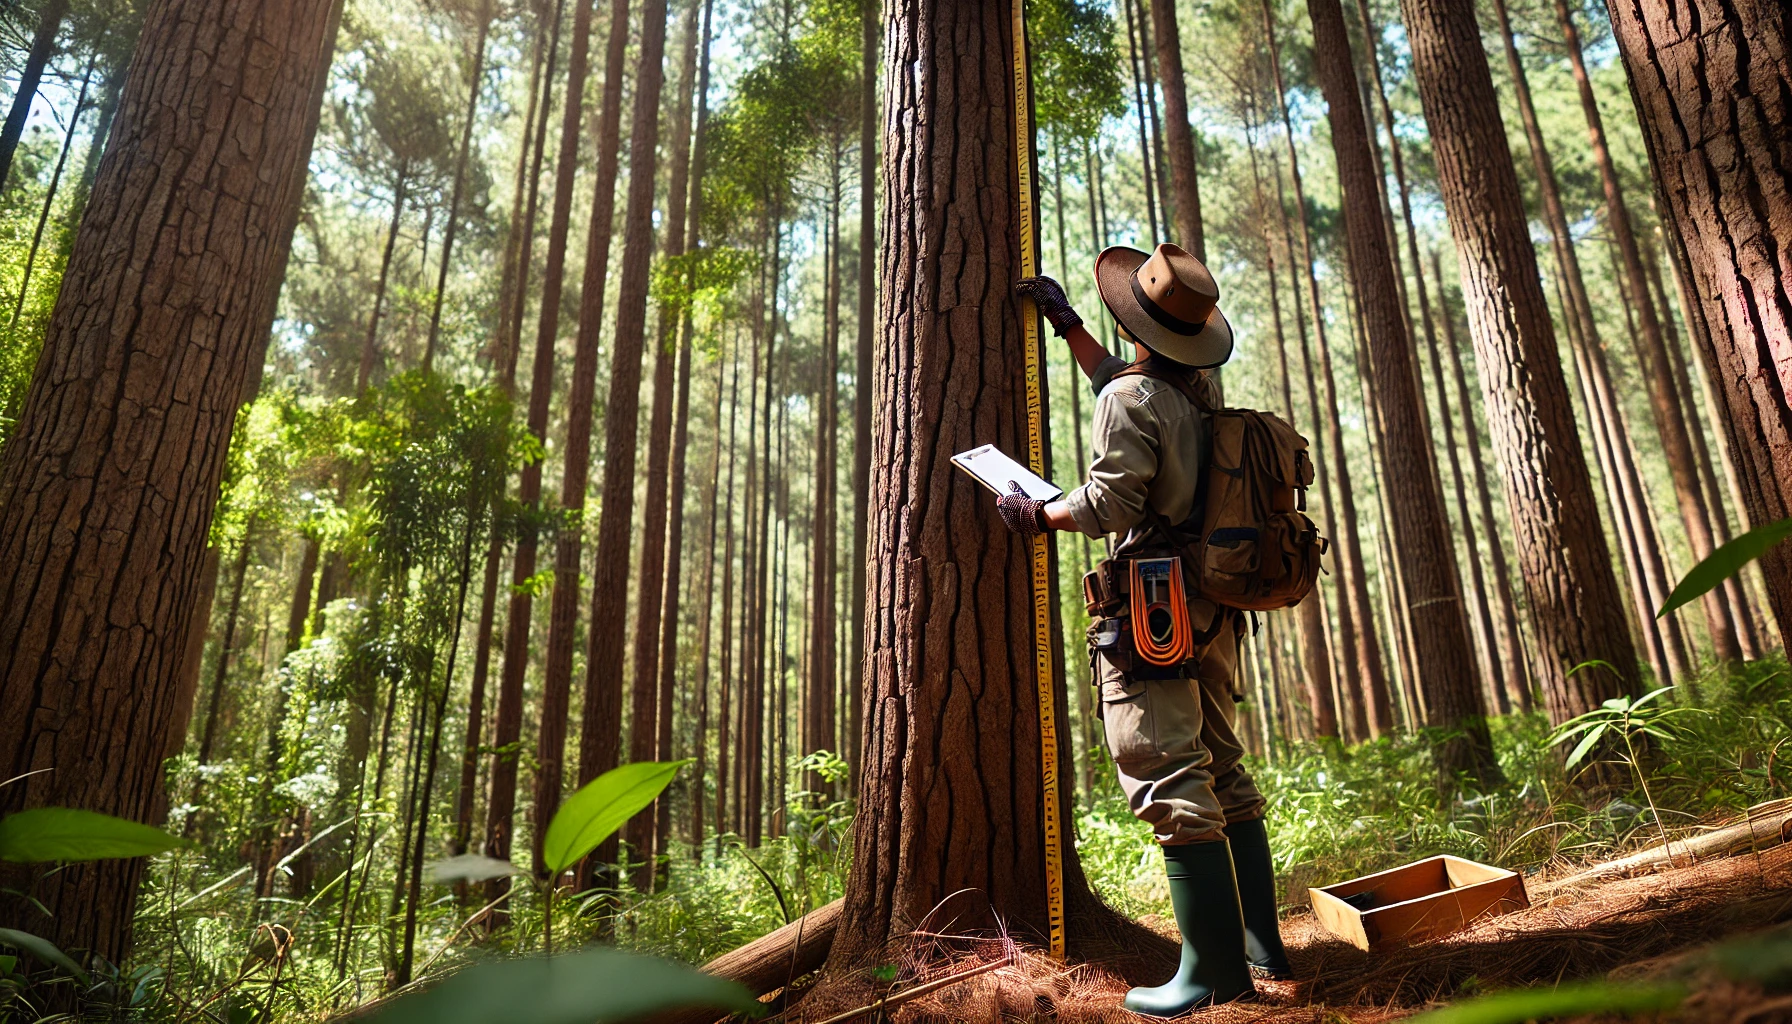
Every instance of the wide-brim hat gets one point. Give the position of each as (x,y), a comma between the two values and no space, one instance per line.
(1168,301)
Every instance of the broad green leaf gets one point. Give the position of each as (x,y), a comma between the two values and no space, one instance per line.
(1549,1003)
(575,988)
(601,806)
(1647,697)
(43,949)
(47,834)
(1586,746)
(7,963)
(1726,562)
(468,867)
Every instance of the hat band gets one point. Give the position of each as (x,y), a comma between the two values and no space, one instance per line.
(1169,321)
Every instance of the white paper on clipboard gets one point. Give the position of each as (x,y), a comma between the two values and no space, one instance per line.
(991,467)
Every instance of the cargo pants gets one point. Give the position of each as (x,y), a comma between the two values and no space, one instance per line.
(1174,744)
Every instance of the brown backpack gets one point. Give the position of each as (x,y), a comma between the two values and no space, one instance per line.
(1248,543)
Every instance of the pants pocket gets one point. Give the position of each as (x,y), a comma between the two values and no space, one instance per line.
(1125,714)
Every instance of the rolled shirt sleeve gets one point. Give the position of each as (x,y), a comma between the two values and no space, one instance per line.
(1126,439)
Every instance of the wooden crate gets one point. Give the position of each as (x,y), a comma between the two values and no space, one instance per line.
(1421,900)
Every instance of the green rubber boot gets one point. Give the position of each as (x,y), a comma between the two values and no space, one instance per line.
(1257,898)
(1205,894)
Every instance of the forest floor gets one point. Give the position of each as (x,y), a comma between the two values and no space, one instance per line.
(1706,929)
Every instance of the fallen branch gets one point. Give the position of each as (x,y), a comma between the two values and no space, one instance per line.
(1764,826)
(772,961)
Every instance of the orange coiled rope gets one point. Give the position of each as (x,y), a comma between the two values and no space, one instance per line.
(1161,631)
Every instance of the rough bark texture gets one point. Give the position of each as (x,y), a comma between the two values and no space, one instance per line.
(861,386)
(1562,554)
(1179,137)
(951,795)
(656,622)
(108,484)
(1632,526)
(563,611)
(1652,356)
(600,736)
(1713,88)
(1444,652)
(500,809)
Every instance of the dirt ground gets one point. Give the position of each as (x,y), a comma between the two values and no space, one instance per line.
(1655,928)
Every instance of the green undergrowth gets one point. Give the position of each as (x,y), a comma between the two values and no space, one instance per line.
(1336,814)
(205,940)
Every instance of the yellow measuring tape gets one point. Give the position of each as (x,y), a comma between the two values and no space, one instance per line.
(1042,583)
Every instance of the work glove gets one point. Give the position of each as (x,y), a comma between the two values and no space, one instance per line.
(1048,295)
(1021,514)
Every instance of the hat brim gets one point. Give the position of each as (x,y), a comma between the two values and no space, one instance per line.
(1208,348)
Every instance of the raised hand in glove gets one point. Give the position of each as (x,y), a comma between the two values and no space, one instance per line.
(1048,295)
(1023,515)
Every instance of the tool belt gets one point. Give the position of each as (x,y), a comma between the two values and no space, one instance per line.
(1145,616)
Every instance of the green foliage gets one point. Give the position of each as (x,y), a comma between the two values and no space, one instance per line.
(1076,67)
(574,988)
(1724,563)
(47,835)
(602,806)
(1597,997)
(41,948)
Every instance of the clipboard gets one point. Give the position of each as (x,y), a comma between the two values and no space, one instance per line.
(991,467)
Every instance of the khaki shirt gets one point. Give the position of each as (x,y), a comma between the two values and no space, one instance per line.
(1149,447)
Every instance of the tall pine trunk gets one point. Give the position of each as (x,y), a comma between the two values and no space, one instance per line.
(951,797)
(1179,137)
(37,58)
(463,153)
(1562,554)
(656,626)
(1444,651)
(563,613)
(1657,373)
(600,734)
(212,140)
(500,808)
(1362,678)
(861,386)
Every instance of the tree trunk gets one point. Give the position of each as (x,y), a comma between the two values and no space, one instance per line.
(600,735)
(1734,589)
(462,153)
(656,625)
(95,615)
(563,610)
(818,702)
(705,624)
(1711,88)
(1310,613)
(1142,100)
(1179,137)
(861,386)
(1670,419)
(1444,653)
(369,341)
(500,809)
(1511,646)
(950,819)
(1634,528)
(43,47)
(43,216)
(1562,553)
(725,670)
(515,298)
(1161,177)
(1363,677)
